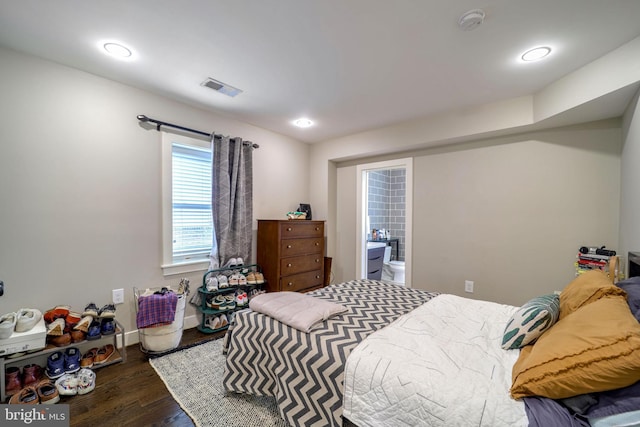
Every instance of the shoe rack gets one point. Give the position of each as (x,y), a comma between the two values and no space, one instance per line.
(39,357)
(207,312)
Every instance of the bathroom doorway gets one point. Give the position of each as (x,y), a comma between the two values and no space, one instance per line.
(384,192)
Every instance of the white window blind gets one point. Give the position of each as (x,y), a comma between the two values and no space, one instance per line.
(191,202)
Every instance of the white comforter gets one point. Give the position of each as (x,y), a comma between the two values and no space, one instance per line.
(439,365)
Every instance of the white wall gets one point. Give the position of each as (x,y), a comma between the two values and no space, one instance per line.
(508,213)
(80,185)
(630,180)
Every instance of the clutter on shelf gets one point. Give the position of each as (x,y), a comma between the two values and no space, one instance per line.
(599,258)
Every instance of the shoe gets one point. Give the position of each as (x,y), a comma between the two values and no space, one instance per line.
(71,360)
(218,302)
(84,323)
(251,278)
(87,358)
(71,320)
(231,303)
(242,299)
(242,279)
(239,261)
(31,374)
(103,354)
(55,365)
(27,319)
(108,327)
(212,284)
(223,321)
(60,340)
(7,325)
(67,385)
(232,262)
(214,322)
(26,396)
(94,331)
(233,280)
(47,392)
(259,278)
(222,281)
(12,381)
(90,310)
(86,381)
(108,311)
(78,336)
(56,327)
(60,311)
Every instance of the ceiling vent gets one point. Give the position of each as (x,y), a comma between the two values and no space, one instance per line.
(471,19)
(221,87)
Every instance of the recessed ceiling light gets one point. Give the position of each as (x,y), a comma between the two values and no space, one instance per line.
(536,53)
(303,122)
(117,50)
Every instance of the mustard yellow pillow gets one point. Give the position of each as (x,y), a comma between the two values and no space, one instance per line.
(585,289)
(596,348)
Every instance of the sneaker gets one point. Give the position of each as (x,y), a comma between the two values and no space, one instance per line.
(90,310)
(7,325)
(214,322)
(108,311)
(103,354)
(67,385)
(259,278)
(222,281)
(242,279)
(94,331)
(86,381)
(251,278)
(87,358)
(231,301)
(27,319)
(71,320)
(239,261)
(232,262)
(60,311)
(223,321)
(55,365)
(233,279)
(108,327)
(71,360)
(47,392)
(83,324)
(56,328)
(218,303)
(26,396)
(212,284)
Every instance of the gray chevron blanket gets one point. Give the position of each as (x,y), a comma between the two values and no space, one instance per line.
(304,371)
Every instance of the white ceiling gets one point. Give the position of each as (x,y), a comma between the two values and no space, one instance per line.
(350,65)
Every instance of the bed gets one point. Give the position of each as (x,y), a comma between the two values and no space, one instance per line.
(405,356)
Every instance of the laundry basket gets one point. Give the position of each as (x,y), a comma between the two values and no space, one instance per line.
(161,339)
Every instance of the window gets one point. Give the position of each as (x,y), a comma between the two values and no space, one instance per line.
(187,224)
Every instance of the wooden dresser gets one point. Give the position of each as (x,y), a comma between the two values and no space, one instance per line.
(291,254)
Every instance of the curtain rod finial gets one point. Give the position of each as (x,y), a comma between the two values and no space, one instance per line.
(143,118)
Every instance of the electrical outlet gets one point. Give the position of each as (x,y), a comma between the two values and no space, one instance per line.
(118,296)
(468,286)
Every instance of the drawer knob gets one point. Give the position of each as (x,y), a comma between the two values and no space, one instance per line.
(318,276)
(317,243)
(317,228)
(288,265)
(290,284)
(288,246)
(317,260)
(289,228)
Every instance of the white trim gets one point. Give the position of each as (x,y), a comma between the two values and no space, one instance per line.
(185,267)
(361,197)
(133,337)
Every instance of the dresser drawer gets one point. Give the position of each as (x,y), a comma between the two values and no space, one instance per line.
(298,282)
(299,264)
(300,228)
(293,247)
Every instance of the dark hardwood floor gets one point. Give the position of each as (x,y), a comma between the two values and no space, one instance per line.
(131,393)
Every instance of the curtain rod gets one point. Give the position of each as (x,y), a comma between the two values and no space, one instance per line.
(159,123)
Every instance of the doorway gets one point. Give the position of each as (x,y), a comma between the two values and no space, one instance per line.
(384,194)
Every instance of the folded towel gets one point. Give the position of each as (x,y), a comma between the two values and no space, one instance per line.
(300,311)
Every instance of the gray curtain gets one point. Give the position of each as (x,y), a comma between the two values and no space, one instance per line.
(232,200)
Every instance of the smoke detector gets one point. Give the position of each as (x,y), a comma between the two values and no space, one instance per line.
(471,19)
(221,87)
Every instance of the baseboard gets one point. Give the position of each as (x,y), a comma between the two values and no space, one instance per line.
(132,337)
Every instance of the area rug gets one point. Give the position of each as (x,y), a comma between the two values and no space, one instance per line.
(194,379)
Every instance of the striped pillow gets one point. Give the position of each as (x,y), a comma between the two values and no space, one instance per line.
(530,321)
